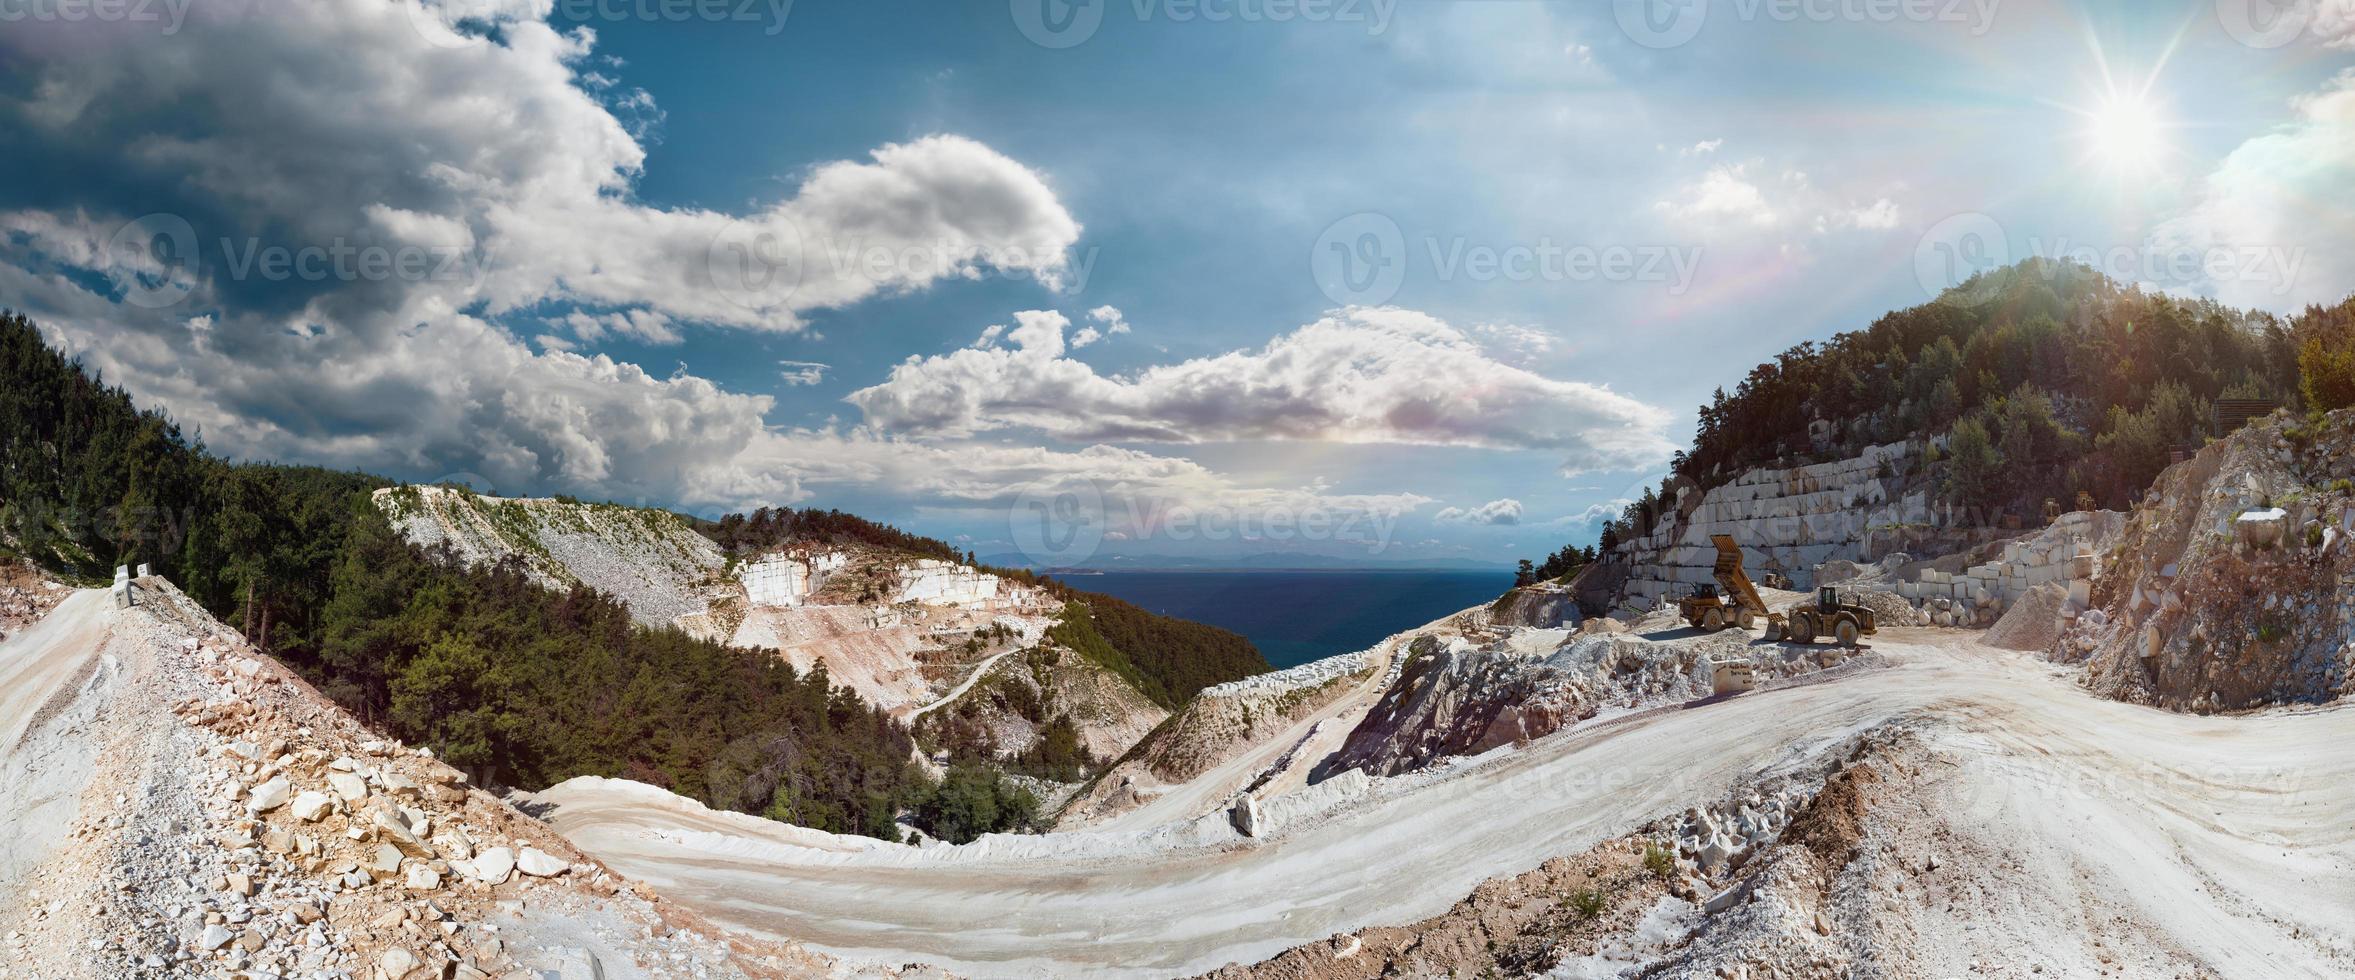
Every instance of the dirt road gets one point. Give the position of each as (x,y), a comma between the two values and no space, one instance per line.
(34,663)
(2271,855)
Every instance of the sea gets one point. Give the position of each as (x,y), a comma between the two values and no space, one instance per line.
(1294,617)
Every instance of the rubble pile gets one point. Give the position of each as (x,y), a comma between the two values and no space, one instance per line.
(2233,586)
(239,825)
(25,596)
(1455,697)
(1978,595)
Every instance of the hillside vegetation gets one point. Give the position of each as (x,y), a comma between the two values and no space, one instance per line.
(517,684)
(2039,381)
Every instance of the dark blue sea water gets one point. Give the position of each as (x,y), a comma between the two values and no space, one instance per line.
(1296,617)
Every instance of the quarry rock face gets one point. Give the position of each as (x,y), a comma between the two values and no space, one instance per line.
(1542,606)
(1790,520)
(788,578)
(2227,589)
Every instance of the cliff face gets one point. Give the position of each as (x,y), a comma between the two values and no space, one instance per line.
(1787,520)
(2233,585)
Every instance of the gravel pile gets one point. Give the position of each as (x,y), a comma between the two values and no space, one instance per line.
(235,824)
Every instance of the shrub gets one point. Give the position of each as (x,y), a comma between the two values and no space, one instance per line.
(1658,861)
(1586,903)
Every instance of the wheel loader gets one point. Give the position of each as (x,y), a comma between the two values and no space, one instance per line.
(1735,602)
(1831,617)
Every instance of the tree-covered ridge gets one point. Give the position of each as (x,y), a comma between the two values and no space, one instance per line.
(2046,379)
(2073,377)
(518,685)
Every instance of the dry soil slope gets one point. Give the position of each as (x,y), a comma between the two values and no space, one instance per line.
(182,806)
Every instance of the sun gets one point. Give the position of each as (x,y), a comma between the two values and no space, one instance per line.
(2127,134)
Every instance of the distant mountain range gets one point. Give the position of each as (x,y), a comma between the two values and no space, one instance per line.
(1265,561)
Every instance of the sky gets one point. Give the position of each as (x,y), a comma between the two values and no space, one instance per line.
(1389,280)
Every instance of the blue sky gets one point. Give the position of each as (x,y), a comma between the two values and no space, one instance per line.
(1438,279)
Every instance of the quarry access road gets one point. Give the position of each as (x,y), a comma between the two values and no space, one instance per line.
(1166,904)
(45,656)
(971,679)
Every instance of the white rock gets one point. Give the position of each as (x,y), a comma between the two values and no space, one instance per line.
(310,805)
(396,963)
(352,788)
(539,864)
(493,865)
(397,784)
(385,860)
(270,795)
(215,936)
(422,877)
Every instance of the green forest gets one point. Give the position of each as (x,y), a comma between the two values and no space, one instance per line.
(519,685)
(2046,378)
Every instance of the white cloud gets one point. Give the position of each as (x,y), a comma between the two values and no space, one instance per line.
(1595,514)
(797,373)
(1362,375)
(1135,488)
(1103,321)
(1724,193)
(2270,221)
(503,165)
(1880,214)
(1515,344)
(358,135)
(1503,511)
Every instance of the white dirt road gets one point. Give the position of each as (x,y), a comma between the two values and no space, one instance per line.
(34,663)
(2238,832)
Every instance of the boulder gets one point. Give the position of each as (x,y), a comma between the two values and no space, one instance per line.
(396,963)
(310,805)
(538,863)
(384,861)
(493,865)
(422,877)
(1245,816)
(270,795)
(352,788)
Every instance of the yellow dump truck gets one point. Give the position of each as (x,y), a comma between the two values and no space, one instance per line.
(1735,602)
